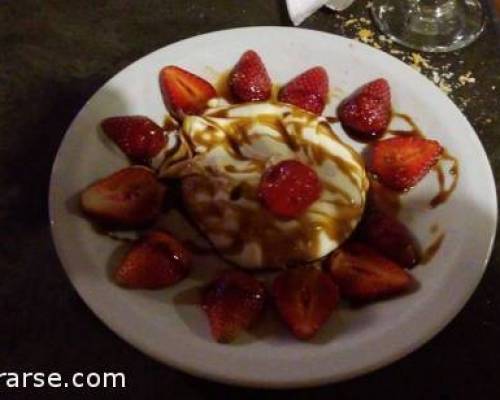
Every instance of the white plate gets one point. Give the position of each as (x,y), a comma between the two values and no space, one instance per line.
(165,326)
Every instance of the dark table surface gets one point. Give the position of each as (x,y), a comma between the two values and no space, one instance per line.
(53,55)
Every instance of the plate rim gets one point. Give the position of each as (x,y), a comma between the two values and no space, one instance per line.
(241,381)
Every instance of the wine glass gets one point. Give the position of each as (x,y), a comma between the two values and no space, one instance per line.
(430,25)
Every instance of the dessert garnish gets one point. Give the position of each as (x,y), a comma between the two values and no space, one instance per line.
(131,197)
(305,298)
(362,274)
(184,93)
(384,232)
(308,91)
(249,80)
(366,114)
(138,137)
(233,302)
(154,261)
(401,162)
(289,188)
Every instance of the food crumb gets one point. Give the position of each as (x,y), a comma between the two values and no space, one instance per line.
(366,35)
(395,51)
(435,77)
(385,39)
(419,61)
(445,87)
(350,22)
(467,78)
(416,67)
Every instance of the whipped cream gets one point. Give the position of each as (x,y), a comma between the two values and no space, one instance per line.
(220,157)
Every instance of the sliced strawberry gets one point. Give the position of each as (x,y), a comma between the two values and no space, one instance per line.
(233,302)
(367,112)
(183,92)
(138,137)
(401,162)
(249,80)
(288,188)
(130,197)
(381,198)
(362,274)
(155,261)
(390,237)
(305,298)
(308,91)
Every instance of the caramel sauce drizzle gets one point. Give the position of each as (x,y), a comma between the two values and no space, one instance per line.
(409,120)
(445,192)
(429,253)
(170,123)
(332,120)
(222,86)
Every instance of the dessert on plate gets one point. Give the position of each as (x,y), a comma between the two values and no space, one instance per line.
(232,154)
(264,177)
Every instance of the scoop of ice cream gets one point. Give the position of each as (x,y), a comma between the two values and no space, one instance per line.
(220,157)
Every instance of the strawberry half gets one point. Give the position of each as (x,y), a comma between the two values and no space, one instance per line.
(131,197)
(381,198)
(138,137)
(184,92)
(233,302)
(390,237)
(288,188)
(308,91)
(401,162)
(155,261)
(362,274)
(305,298)
(366,114)
(249,80)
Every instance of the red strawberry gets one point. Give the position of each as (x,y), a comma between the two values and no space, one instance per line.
(288,188)
(249,80)
(362,274)
(130,197)
(233,302)
(390,237)
(183,92)
(305,298)
(138,137)
(155,261)
(381,198)
(401,162)
(367,112)
(308,91)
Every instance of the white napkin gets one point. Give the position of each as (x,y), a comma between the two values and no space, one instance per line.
(299,10)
